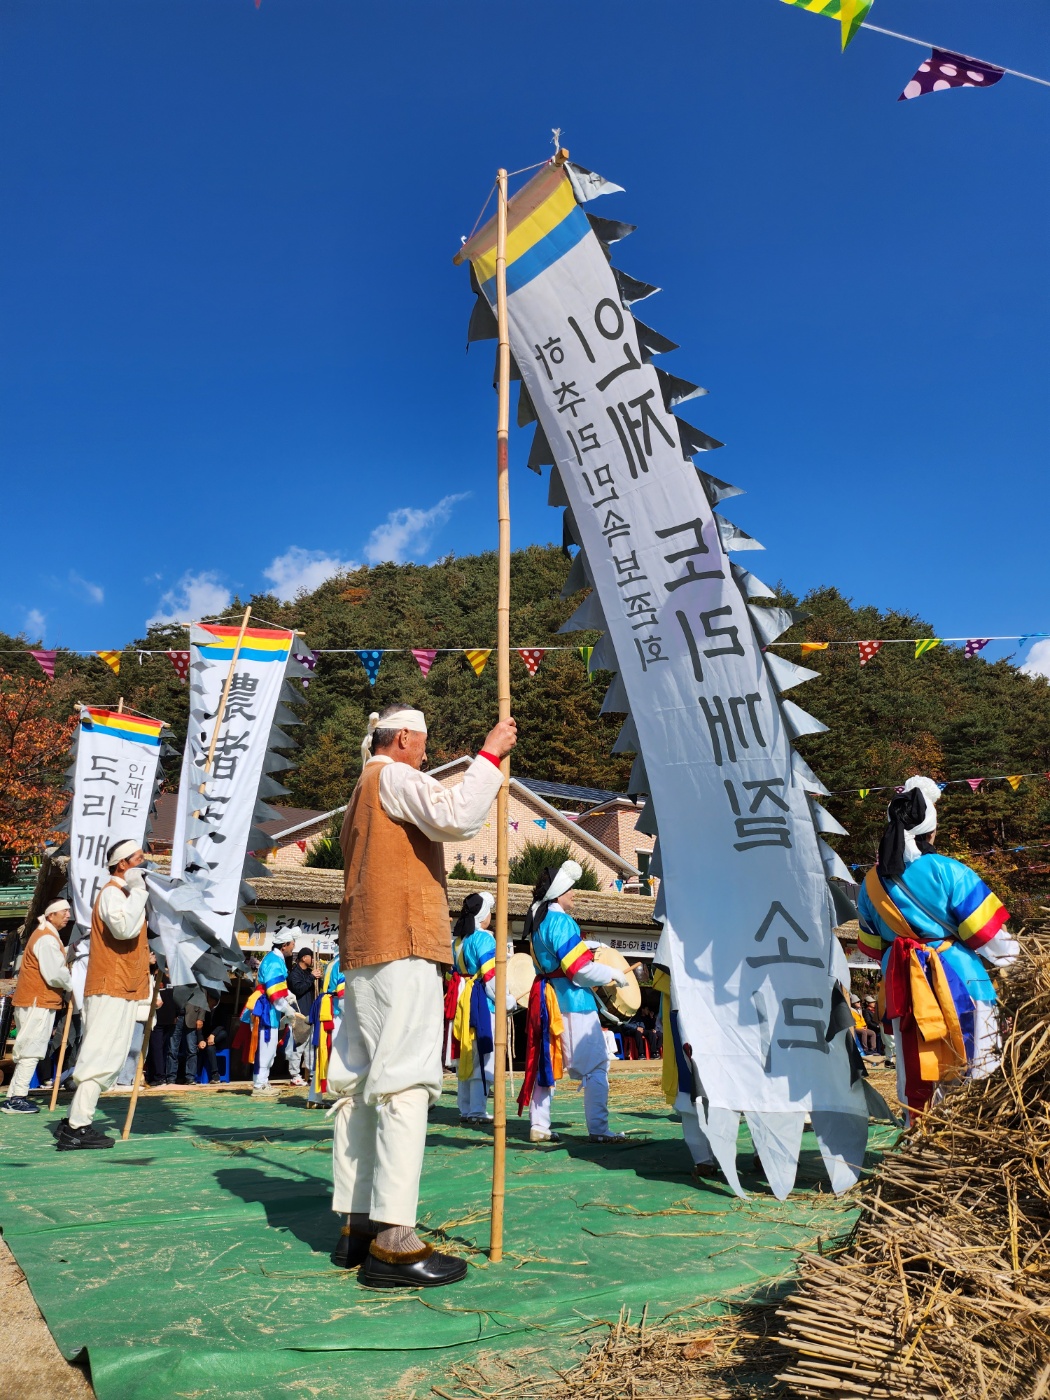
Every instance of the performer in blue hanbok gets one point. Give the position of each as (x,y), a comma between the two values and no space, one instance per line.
(474,958)
(933,924)
(265,1008)
(563,1028)
(326,1010)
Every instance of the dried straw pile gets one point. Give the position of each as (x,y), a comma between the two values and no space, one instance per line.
(945,1289)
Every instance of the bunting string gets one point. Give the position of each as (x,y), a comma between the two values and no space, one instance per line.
(1014,779)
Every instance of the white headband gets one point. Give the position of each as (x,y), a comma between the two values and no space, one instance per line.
(55,907)
(569,872)
(400,719)
(120,851)
(286,935)
(487,902)
(931,792)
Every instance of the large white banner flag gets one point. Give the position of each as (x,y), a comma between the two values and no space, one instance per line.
(219,786)
(114,776)
(747,910)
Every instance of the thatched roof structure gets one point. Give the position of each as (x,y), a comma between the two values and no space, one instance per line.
(307,888)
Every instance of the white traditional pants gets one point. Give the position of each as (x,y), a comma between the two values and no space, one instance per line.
(471,1093)
(266,1054)
(300,1058)
(585,1058)
(109,1024)
(386,1069)
(34,1025)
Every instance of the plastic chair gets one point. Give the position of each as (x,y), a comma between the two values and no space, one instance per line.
(223,1057)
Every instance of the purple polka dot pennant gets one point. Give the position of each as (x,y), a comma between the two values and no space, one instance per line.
(944,69)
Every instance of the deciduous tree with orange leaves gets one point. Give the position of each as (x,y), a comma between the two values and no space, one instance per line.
(34,750)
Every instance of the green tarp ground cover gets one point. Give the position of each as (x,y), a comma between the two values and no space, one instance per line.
(193,1259)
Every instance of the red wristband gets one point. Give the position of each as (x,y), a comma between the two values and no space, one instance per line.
(491,757)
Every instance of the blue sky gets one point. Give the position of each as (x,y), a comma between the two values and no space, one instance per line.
(233,345)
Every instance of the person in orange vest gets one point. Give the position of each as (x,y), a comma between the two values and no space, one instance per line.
(43,983)
(117,981)
(393,940)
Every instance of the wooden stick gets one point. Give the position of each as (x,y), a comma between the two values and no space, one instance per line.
(143,1052)
(499,1085)
(61,1054)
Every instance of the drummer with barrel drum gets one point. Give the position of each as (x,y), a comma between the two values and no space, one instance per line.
(474,951)
(564,1033)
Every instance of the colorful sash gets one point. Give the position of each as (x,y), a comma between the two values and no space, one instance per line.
(543,1031)
(472,1027)
(935,1010)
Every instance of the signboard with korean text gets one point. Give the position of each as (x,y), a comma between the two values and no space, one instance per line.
(746,906)
(114,775)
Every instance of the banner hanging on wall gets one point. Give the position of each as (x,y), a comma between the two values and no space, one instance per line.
(746,905)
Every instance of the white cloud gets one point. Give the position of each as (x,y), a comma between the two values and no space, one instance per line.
(93,591)
(193,597)
(35,624)
(1037,662)
(298,570)
(408,531)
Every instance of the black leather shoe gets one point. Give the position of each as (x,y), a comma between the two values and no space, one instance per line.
(351,1250)
(80,1139)
(429,1270)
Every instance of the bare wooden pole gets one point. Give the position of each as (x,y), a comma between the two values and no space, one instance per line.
(61,1054)
(499,1085)
(136,1088)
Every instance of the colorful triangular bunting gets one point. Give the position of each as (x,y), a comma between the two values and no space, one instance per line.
(541,822)
(863,792)
(181,661)
(308,659)
(944,69)
(532,656)
(807,647)
(585,654)
(478,658)
(112,660)
(425,658)
(1015,780)
(926,644)
(370,660)
(850,13)
(974,645)
(975,783)
(46,661)
(867,651)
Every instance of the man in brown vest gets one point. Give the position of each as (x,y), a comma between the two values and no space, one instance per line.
(43,979)
(117,980)
(394,936)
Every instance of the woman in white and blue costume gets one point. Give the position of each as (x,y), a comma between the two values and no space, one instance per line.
(474,952)
(563,1026)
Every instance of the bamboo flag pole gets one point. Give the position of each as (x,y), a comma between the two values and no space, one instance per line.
(499,1083)
(60,1062)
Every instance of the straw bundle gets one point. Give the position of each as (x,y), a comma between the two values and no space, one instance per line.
(945,1289)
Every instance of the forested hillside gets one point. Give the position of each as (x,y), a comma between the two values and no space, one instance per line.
(943,715)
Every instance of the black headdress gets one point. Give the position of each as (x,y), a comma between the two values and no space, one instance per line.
(472,907)
(906,811)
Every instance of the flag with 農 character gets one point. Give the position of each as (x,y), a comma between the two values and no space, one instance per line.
(746,897)
(228,767)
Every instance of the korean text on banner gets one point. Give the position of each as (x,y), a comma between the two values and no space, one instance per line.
(216,806)
(748,914)
(114,774)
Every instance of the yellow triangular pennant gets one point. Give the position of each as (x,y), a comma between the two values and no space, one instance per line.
(925,645)
(863,791)
(1015,781)
(112,660)
(807,647)
(478,658)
